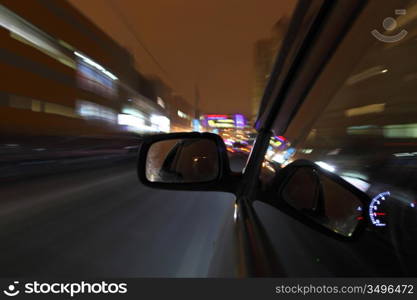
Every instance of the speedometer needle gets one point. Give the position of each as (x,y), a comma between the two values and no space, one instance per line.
(380,214)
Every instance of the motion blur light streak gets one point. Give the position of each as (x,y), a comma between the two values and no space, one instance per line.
(357,182)
(307,151)
(132,121)
(91,110)
(160,123)
(366,74)
(96,65)
(401,130)
(279,158)
(405,154)
(367,109)
(182,115)
(21,29)
(326,166)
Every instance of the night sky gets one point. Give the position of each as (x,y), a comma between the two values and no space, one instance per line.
(209,43)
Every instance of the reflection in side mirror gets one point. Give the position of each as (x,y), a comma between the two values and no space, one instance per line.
(182,161)
(324,198)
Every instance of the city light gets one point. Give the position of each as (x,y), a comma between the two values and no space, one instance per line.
(95,65)
(240,120)
(279,158)
(306,150)
(91,110)
(213,123)
(160,102)
(196,125)
(183,115)
(212,117)
(132,121)
(160,123)
(133,112)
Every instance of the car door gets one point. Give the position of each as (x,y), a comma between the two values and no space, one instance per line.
(344,98)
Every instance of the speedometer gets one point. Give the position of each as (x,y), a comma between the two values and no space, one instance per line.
(377,212)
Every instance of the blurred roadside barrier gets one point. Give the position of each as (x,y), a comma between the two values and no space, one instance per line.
(26,157)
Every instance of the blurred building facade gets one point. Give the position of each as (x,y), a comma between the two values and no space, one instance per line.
(265,52)
(178,109)
(63,76)
(181,114)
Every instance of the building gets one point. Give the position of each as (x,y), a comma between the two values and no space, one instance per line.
(179,111)
(61,75)
(181,114)
(265,52)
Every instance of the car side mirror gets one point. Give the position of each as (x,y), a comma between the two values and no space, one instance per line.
(185,161)
(321,199)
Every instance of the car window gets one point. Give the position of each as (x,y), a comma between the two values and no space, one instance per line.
(366,129)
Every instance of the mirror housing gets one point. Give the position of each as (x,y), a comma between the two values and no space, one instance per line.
(219,178)
(320,199)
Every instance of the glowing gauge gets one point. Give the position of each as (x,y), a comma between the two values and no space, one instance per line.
(376,209)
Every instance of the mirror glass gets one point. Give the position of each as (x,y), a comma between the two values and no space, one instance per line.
(325,201)
(182,161)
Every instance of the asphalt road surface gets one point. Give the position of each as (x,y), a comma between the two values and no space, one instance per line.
(102,222)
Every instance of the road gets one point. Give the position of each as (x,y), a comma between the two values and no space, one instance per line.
(102,222)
